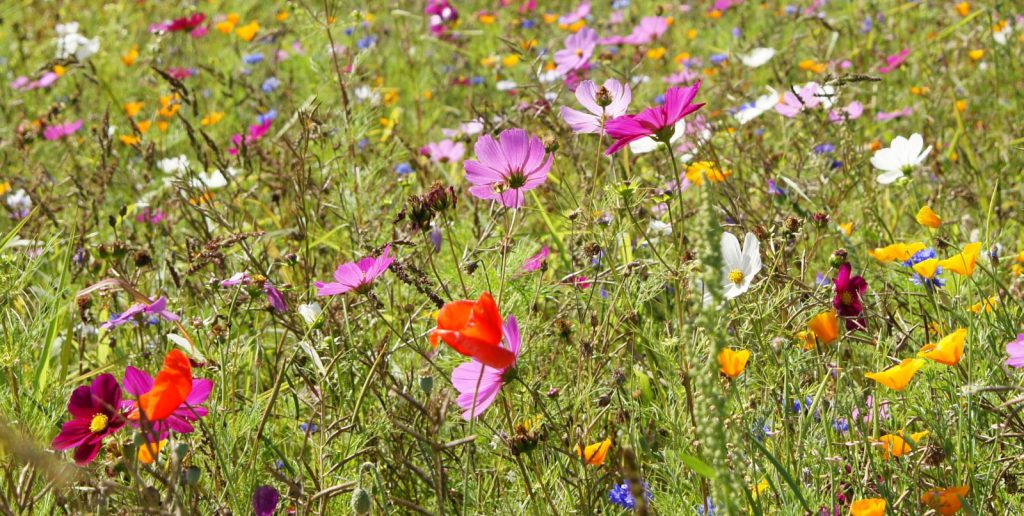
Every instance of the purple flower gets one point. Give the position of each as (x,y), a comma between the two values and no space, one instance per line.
(356,275)
(58,131)
(610,101)
(478,384)
(649,29)
(97,414)
(622,495)
(271,84)
(847,301)
(508,167)
(444,151)
(264,500)
(578,50)
(158,307)
(536,261)
(894,61)
(138,382)
(1016,351)
(889,115)
(275,296)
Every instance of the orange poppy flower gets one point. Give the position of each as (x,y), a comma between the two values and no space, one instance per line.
(825,327)
(945,501)
(473,328)
(896,252)
(868,507)
(248,32)
(149,451)
(595,454)
(964,262)
(949,350)
(897,446)
(898,377)
(172,385)
(928,218)
(733,362)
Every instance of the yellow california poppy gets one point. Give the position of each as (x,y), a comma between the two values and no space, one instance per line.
(928,218)
(949,350)
(964,262)
(595,453)
(248,32)
(897,377)
(927,268)
(825,327)
(868,507)
(897,446)
(733,362)
(896,252)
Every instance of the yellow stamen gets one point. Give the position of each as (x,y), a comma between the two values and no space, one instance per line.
(736,276)
(98,424)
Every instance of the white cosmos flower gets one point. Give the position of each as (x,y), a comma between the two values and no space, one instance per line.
(173,165)
(310,312)
(505,85)
(899,158)
(757,57)
(740,265)
(647,144)
(758,107)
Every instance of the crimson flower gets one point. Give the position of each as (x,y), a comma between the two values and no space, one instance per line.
(847,302)
(657,122)
(97,414)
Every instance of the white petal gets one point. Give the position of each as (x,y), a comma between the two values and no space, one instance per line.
(731,255)
(890,177)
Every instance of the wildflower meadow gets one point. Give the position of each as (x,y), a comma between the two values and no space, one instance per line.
(489,257)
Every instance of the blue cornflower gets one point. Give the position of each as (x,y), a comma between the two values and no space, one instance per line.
(622,495)
(619,5)
(266,117)
(252,58)
(773,189)
(710,507)
(791,10)
(841,425)
(366,42)
(763,430)
(719,58)
(825,148)
(935,281)
(836,164)
(660,99)
(866,26)
(737,32)
(349,30)
(476,80)
(308,427)
(271,84)
(403,168)
(528,24)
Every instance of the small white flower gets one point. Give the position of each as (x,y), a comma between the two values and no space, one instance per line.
(19,201)
(66,29)
(173,165)
(647,144)
(901,157)
(505,85)
(760,106)
(1000,36)
(365,93)
(310,312)
(658,229)
(757,57)
(740,265)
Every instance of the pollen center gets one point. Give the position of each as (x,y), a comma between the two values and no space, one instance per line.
(736,276)
(516,180)
(98,423)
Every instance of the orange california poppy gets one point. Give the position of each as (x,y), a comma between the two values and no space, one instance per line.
(949,350)
(825,327)
(897,446)
(928,218)
(473,328)
(896,252)
(945,501)
(963,263)
(172,385)
(897,377)
(595,454)
(868,507)
(733,362)
(149,451)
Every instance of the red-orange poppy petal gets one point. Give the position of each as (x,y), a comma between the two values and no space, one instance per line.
(490,355)
(172,385)
(484,323)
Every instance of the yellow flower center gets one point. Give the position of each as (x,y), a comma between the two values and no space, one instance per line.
(736,276)
(98,424)
(846,298)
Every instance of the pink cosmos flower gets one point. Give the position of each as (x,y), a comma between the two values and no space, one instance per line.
(256,132)
(852,111)
(890,115)
(578,50)
(138,382)
(582,11)
(579,281)
(508,167)
(1016,351)
(894,61)
(275,296)
(97,414)
(444,151)
(613,102)
(656,122)
(536,261)
(150,216)
(442,15)
(810,96)
(649,29)
(478,385)
(46,80)
(58,131)
(356,275)
(158,307)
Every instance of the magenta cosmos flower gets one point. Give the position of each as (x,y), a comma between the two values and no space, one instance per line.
(442,15)
(58,131)
(536,261)
(579,48)
(847,302)
(610,101)
(479,385)
(97,413)
(356,275)
(158,308)
(508,167)
(656,122)
(1016,351)
(273,295)
(894,61)
(138,382)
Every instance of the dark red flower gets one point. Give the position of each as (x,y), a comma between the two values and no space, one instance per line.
(848,302)
(97,413)
(185,23)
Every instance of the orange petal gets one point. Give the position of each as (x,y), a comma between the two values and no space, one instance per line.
(173,384)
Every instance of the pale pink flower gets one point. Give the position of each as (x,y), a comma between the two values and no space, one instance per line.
(479,385)
(618,98)
(356,275)
(579,48)
(894,61)
(536,261)
(508,167)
